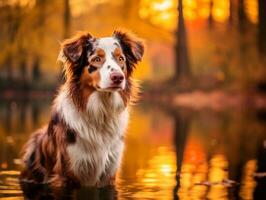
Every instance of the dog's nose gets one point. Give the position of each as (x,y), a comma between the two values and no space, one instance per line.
(117,77)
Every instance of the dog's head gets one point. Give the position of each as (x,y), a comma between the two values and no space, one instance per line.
(104,64)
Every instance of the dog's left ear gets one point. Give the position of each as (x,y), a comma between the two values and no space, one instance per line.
(72,49)
(132,47)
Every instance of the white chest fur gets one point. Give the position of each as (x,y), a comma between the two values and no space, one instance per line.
(99,144)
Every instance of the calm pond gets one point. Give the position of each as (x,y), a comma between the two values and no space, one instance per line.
(171,153)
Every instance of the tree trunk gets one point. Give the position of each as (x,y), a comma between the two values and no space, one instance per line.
(67,17)
(23,73)
(242,18)
(9,68)
(262,26)
(231,13)
(41,8)
(182,60)
(36,71)
(210,18)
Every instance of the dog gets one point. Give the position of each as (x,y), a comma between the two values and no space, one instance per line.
(83,142)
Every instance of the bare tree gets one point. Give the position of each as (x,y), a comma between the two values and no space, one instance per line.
(41,7)
(182,60)
(9,67)
(36,72)
(231,12)
(11,15)
(210,18)
(67,17)
(262,26)
(242,17)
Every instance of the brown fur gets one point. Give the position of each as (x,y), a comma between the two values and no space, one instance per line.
(132,47)
(44,156)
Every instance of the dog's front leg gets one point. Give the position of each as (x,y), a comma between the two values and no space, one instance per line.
(58,179)
(114,160)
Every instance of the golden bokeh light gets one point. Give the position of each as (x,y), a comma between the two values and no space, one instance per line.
(252,10)
(190,9)
(221,10)
(218,172)
(194,170)
(248,183)
(163,13)
(159,172)
(159,12)
(29,3)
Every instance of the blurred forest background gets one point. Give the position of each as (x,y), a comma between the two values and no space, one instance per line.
(191,44)
(202,117)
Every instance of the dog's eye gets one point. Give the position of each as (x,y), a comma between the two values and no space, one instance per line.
(121,58)
(96,59)
(92,69)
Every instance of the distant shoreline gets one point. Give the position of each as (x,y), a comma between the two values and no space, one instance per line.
(196,99)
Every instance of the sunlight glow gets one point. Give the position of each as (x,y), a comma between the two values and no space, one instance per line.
(162,6)
(29,3)
(190,9)
(217,173)
(194,152)
(160,171)
(79,7)
(221,10)
(252,10)
(194,170)
(248,183)
(159,12)
(9,172)
(164,13)
(166,169)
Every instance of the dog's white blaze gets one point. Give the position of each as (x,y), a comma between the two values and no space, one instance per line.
(99,145)
(108,44)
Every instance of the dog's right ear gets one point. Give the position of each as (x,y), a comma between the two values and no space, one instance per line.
(72,49)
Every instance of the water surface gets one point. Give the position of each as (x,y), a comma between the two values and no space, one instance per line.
(171,153)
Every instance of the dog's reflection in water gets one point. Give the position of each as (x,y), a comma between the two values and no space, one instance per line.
(33,191)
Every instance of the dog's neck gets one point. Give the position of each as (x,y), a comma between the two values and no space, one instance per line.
(99,104)
(105,102)
(103,110)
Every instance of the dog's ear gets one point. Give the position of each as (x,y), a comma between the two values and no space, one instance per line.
(71,49)
(132,47)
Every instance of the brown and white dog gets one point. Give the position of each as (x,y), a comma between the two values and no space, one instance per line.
(83,142)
